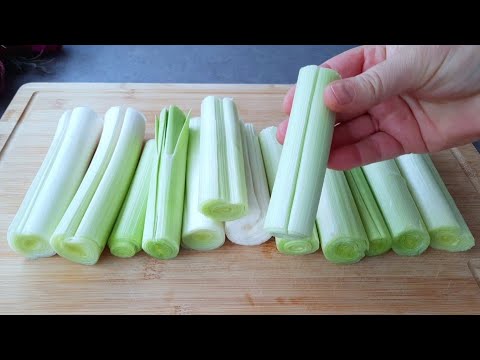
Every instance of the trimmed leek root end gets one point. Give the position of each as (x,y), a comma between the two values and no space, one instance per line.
(299,246)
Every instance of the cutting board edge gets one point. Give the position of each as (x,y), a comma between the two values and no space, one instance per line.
(26,92)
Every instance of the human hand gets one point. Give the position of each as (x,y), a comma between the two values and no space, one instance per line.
(394,100)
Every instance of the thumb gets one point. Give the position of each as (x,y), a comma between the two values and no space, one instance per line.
(358,94)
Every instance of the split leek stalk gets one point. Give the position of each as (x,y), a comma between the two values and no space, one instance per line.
(379,237)
(55,184)
(126,237)
(342,234)
(83,231)
(249,230)
(409,234)
(198,231)
(445,224)
(163,221)
(271,151)
(301,170)
(223,188)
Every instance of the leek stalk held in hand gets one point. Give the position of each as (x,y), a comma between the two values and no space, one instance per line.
(301,170)
(271,151)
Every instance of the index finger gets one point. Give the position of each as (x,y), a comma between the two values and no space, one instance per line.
(349,63)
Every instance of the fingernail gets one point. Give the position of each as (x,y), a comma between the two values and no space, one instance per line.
(344,92)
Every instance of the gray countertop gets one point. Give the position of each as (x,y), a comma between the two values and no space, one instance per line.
(275,64)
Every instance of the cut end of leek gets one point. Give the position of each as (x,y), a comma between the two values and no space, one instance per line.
(411,243)
(222,184)
(203,240)
(281,233)
(198,231)
(77,249)
(124,248)
(163,249)
(32,246)
(379,246)
(345,250)
(221,211)
(296,247)
(446,225)
(451,239)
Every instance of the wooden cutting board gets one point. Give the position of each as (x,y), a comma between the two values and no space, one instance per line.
(233,279)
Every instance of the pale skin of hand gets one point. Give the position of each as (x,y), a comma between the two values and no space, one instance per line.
(394,100)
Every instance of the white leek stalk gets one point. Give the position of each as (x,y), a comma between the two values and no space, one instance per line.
(296,192)
(249,230)
(271,151)
(126,237)
(445,224)
(409,234)
(198,231)
(83,231)
(379,237)
(55,184)
(342,235)
(223,189)
(163,221)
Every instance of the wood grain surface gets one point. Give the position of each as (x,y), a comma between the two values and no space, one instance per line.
(232,279)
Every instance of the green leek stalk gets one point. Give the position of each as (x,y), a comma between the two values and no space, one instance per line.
(249,230)
(409,234)
(85,227)
(198,231)
(126,237)
(301,171)
(446,226)
(379,237)
(342,234)
(223,188)
(55,184)
(271,151)
(163,221)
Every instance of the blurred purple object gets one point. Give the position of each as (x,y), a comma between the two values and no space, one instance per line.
(46,49)
(28,50)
